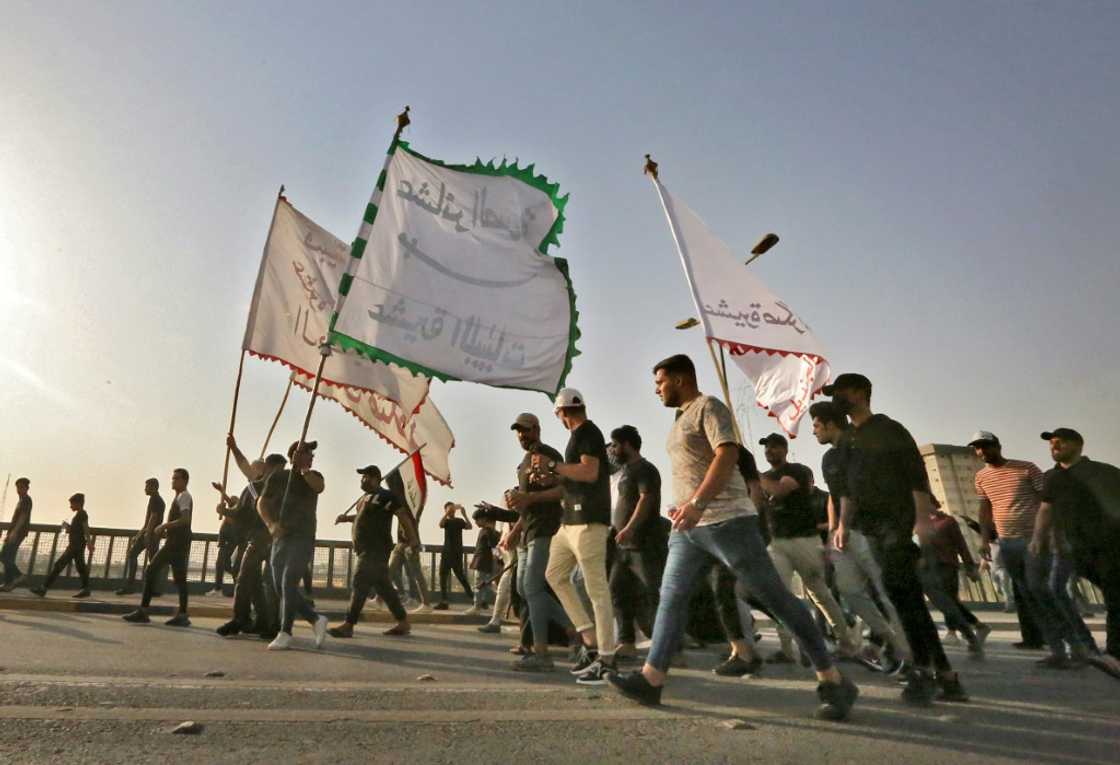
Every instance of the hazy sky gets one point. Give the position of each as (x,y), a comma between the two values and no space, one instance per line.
(944,177)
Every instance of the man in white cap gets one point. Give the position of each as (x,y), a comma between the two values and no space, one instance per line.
(582,538)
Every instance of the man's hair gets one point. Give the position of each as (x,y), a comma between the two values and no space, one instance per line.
(826,412)
(448,504)
(182,473)
(79,499)
(153,482)
(679,364)
(628,434)
(23,481)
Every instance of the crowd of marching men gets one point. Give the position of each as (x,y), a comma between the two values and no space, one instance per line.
(587,558)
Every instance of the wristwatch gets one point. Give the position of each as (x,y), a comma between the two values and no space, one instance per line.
(699,505)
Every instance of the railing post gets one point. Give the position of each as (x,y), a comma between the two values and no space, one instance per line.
(330,567)
(206,560)
(34,554)
(109,556)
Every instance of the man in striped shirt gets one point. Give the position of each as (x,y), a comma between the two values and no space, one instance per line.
(1010,494)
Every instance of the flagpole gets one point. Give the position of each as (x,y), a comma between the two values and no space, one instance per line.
(721,370)
(386,475)
(276,419)
(248,329)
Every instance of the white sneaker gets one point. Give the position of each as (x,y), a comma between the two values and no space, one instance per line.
(950,637)
(282,642)
(320,631)
(212,593)
(472,611)
(423,608)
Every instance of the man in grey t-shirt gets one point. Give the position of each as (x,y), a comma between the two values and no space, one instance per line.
(17,532)
(714,519)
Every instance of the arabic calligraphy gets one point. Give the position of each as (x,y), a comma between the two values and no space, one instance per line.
(411,248)
(754,318)
(515,223)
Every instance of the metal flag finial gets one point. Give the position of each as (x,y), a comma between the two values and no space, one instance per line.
(402,120)
(650,168)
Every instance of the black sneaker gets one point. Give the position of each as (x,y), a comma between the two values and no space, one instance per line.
(123,591)
(635,687)
(40,591)
(440,607)
(736,666)
(597,673)
(780,657)
(950,689)
(178,620)
(836,699)
(920,688)
(229,629)
(81,594)
(490,628)
(532,662)
(586,658)
(1024,645)
(139,616)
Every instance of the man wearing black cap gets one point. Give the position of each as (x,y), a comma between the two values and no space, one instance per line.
(373,541)
(887,488)
(795,544)
(175,553)
(145,539)
(252,591)
(75,552)
(1081,503)
(287,505)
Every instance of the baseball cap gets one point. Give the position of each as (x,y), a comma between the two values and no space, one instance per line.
(774,438)
(525,421)
(308,445)
(847,381)
(1066,434)
(983,437)
(569,397)
(368,469)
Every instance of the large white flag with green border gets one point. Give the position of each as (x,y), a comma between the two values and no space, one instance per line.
(449,277)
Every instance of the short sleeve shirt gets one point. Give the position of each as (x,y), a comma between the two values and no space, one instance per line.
(373,522)
(587,502)
(181,535)
(702,425)
(298,515)
(22,512)
(453,536)
(794,515)
(484,545)
(154,513)
(541,519)
(884,468)
(78,526)
(634,480)
(1086,501)
(1015,491)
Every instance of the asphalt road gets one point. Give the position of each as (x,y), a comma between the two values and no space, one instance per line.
(89,688)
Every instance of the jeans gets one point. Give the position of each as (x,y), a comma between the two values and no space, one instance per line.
(737,544)
(635,582)
(404,561)
(291,556)
(372,573)
(1074,629)
(1039,617)
(252,590)
(8,558)
(584,545)
(897,556)
(942,584)
(174,556)
(77,556)
(483,587)
(531,583)
(856,573)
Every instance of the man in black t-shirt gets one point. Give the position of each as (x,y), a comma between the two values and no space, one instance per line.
(1081,504)
(145,539)
(17,532)
(373,541)
(888,491)
(451,560)
(795,544)
(483,564)
(78,539)
(175,553)
(635,577)
(537,501)
(583,535)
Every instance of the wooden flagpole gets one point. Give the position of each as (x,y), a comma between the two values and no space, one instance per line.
(276,419)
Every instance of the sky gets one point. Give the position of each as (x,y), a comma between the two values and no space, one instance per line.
(944,177)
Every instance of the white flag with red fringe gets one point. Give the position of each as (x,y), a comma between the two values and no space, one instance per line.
(767,340)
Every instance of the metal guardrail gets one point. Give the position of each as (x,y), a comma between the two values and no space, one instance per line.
(330,568)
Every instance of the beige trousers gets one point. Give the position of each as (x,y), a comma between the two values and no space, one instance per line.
(585,546)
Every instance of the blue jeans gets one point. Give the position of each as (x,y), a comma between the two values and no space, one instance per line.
(1078,635)
(737,544)
(290,558)
(543,607)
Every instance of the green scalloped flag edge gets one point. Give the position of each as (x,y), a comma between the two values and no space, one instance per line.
(504,169)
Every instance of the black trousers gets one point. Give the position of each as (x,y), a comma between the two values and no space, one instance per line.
(253,589)
(75,555)
(1102,568)
(452,564)
(635,584)
(898,558)
(371,573)
(176,557)
(138,544)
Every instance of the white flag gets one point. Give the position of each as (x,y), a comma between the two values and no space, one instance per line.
(425,430)
(452,281)
(770,343)
(296,292)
